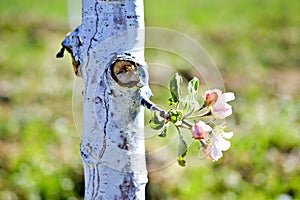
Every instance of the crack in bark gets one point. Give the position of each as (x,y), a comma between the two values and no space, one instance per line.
(91,40)
(106,105)
(93,182)
(105,127)
(93,37)
(96,176)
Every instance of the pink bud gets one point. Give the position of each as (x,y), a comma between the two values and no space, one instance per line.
(211,98)
(200,130)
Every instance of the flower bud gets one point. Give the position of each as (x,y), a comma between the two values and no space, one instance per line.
(210,98)
(200,130)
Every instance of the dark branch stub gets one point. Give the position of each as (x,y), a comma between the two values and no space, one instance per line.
(125,73)
(60,54)
(72,44)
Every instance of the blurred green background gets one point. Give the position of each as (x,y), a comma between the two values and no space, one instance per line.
(256,46)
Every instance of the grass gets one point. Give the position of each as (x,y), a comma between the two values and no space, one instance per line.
(255,45)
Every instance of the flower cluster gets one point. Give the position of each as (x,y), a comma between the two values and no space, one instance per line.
(204,118)
(213,142)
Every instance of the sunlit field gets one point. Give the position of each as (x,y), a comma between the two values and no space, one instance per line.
(254,44)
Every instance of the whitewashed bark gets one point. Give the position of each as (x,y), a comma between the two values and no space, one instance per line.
(112,146)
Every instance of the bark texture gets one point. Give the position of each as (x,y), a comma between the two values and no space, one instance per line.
(108,52)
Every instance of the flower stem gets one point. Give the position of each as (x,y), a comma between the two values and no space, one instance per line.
(202,106)
(187,123)
(204,114)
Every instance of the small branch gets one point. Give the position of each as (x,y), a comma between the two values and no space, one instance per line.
(152,107)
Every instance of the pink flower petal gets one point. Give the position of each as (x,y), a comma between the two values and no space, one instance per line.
(200,130)
(219,106)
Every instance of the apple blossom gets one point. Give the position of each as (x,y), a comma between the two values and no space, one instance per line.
(216,144)
(200,130)
(218,102)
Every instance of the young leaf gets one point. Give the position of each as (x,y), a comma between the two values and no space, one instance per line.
(182,147)
(163,133)
(156,122)
(182,150)
(174,86)
(184,104)
(193,86)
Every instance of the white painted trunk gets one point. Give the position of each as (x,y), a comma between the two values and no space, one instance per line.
(112,147)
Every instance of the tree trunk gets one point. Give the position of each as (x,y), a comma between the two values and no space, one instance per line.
(108,52)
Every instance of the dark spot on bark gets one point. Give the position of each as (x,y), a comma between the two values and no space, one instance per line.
(128,188)
(102,84)
(84,155)
(118,18)
(131,17)
(124,145)
(133,113)
(98,100)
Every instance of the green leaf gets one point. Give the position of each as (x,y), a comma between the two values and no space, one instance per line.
(163,133)
(184,104)
(182,150)
(182,147)
(156,122)
(193,86)
(181,161)
(174,86)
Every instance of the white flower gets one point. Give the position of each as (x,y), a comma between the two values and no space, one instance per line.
(218,102)
(216,144)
